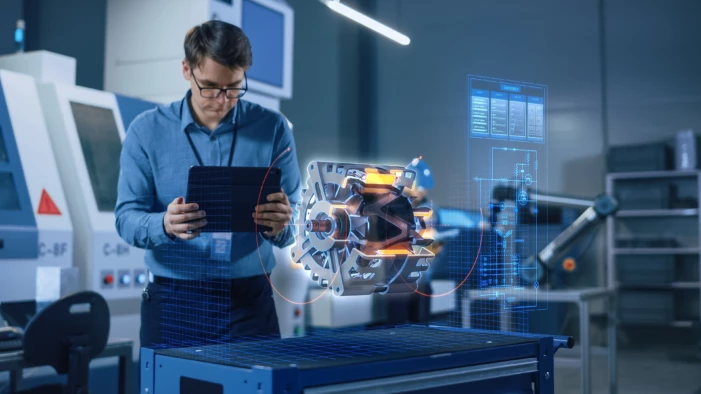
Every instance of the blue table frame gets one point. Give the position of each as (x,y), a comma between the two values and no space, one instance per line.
(498,368)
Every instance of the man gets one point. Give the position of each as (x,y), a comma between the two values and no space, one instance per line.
(204,287)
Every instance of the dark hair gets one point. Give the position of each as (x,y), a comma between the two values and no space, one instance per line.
(223,42)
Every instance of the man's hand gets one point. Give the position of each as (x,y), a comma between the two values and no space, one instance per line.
(183,220)
(276,214)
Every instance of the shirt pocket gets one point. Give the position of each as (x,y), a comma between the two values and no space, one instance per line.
(170,178)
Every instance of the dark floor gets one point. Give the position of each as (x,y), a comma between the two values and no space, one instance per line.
(654,371)
(103,379)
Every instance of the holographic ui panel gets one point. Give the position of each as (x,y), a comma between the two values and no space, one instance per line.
(507,110)
(504,276)
(507,149)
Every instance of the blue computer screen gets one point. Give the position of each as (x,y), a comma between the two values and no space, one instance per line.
(507,110)
(265,29)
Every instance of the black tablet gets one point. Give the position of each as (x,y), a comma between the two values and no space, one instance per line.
(229,195)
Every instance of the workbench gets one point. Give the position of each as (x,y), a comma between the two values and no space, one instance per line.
(420,359)
(583,298)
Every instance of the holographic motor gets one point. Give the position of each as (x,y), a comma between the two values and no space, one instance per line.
(358,232)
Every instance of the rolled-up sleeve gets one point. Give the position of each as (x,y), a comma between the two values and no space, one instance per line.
(286,154)
(135,220)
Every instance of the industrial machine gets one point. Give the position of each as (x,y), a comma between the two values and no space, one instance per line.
(86,128)
(384,360)
(290,293)
(87,131)
(550,258)
(35,222)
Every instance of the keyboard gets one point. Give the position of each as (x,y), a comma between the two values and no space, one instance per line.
(9,345)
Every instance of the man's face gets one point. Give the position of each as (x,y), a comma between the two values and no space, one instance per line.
(211,74)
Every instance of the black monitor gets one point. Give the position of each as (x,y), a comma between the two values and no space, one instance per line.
(101,145)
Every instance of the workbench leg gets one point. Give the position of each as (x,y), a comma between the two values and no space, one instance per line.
(466,312)
(15,380)
(612,345)
(126,365)
(545,379)
(584,346)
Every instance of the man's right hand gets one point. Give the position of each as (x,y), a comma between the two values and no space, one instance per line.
(183,220)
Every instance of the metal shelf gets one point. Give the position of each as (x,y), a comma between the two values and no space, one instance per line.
(652,174)
(643,213)
(660,286)
(657,251)
(675,323)
(613,182)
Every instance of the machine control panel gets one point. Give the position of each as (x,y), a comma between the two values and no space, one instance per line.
(124,278)
(127,279)
(140,278)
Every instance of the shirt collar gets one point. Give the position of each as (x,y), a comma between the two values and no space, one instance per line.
(186,118)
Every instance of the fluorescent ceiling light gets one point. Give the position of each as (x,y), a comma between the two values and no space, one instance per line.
(367,22)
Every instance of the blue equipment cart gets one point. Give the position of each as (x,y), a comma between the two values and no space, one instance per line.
(416,359)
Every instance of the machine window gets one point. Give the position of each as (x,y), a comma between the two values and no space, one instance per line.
(9,201)
(101,144)
(3,149)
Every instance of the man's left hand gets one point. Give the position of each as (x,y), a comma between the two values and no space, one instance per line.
(276,214)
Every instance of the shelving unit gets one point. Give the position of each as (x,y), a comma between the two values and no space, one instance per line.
(653,302)
(662,251)
(641,213)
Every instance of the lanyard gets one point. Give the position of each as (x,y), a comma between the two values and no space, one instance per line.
(233,140)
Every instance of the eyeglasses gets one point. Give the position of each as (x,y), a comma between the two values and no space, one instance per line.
(231,93)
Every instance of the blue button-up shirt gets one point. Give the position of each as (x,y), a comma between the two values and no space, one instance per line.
(155,161)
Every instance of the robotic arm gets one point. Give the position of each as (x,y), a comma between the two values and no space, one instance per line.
(595,213)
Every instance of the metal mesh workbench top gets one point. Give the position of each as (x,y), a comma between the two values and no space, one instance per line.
(346,347)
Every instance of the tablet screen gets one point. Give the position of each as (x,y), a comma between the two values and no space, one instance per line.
(229,195)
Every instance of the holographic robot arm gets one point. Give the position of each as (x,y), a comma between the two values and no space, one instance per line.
(358,233)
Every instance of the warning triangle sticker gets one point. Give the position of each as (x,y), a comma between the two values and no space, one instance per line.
(46,205)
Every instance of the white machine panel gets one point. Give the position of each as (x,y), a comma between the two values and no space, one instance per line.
(328,311)
(48,202)
(87,132)
(290,283)
(445,296)
(44,66)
